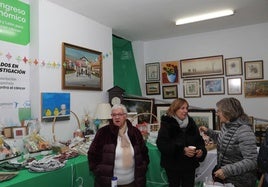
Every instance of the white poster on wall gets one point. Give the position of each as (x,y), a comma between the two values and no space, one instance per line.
(14,84)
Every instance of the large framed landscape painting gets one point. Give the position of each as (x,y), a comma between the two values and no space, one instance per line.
(81,68)
(203,66)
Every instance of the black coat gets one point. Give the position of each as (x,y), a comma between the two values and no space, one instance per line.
(101,155)
(171,141)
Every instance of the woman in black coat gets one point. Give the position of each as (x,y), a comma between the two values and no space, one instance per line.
(178,131)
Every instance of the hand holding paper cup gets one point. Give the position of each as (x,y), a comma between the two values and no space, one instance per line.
(192,147)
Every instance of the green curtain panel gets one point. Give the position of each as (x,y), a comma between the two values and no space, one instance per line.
(125,71)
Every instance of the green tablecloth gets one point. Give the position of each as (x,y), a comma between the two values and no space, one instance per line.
(156,176)
(74,174)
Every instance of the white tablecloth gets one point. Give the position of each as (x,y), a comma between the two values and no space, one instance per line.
(205,168)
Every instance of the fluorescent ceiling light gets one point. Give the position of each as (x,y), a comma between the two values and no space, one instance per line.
(203,17)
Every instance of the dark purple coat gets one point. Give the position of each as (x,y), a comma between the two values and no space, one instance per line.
(101,155)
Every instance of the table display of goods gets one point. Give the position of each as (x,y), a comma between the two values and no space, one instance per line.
(5,150)
(48,163)
(36,143)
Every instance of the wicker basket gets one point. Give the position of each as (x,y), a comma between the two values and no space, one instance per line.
(54,122)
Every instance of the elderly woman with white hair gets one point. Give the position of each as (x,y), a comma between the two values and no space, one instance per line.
(118,149)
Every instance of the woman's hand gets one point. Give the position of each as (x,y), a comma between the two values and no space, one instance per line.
(199,153)
(219,173)
(189,152)
(203,129)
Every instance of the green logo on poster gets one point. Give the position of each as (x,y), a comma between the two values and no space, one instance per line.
(15,22)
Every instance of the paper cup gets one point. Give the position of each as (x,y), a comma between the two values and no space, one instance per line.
(192,147)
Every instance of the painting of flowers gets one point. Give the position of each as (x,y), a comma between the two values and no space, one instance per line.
(170,72)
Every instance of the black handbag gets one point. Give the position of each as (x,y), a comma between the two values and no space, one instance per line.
(216,179)
(218,166)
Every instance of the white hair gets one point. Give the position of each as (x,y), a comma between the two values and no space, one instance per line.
(120,106)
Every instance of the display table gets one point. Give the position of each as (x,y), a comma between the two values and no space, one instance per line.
(74,174)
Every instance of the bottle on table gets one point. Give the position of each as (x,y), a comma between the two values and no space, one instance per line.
(114,182)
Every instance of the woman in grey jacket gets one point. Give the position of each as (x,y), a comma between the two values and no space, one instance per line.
(236,145)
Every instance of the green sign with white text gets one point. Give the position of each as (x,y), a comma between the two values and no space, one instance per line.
(14,21)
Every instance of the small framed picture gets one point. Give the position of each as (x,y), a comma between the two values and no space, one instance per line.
(233,66)
(170,92)
(234,86)
(257,88)
(153,88)
(19,132)
(160,110)
(152,72)
(213,86)
(170,72)
(191,88)
(254,70)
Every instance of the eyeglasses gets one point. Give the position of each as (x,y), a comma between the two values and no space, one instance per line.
(119,115)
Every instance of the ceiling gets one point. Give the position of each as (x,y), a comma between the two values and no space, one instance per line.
(145,20)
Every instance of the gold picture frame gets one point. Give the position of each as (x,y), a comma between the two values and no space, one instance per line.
(81,68)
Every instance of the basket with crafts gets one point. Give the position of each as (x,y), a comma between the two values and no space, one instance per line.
(148,125)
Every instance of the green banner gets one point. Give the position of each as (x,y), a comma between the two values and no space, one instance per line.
(125,72)
(14,22)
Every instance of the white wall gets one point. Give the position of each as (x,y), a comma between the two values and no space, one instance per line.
(50,26)
(250,43)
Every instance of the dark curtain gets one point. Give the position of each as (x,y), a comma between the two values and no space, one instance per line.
(125,71)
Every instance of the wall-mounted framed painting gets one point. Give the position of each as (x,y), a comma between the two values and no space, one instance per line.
(140,105)
(170,92)
(170,72)
(234,86)
(233,66)
(160,109)
(55,105)
(81,68)
(213,86)
(203,66)
(257,88)
(152,72)
(153,88)
(253,70)
(205,117)
(191,88)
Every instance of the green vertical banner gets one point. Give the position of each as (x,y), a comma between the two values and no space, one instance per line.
(125,71)
(14,22)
